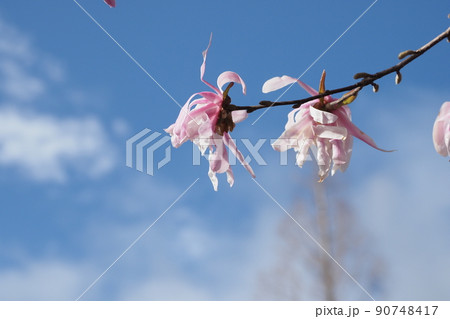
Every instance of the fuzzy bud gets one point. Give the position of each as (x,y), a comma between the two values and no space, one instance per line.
(398,77)
(361,75)
(375,87)
(404,54)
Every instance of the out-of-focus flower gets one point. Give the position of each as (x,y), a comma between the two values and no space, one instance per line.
(206,123)
(111,3)
(441,130)
(310,126)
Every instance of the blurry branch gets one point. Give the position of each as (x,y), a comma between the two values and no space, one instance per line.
(366,79)
(303,272)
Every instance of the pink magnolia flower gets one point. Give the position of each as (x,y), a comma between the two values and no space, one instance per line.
(111,3)
(308,126)
(441,130)
(206,124)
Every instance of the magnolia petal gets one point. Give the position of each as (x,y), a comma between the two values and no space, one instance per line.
(206,129)
(178,129)
(232,146)
(239,116)
(111,3)
(348,148)
(229,76)
(291,118)
(339,155)
(212,97)
(213,178)
(283,144)
(230,177)
(323,158)
(355,131)
(277,83)
(289,137)
(209,109)
(203,67)
(342,155)
(323,154)
(202,144)
(322,117)
(169,130)
(218,160)
(439,138)
(330,132)
(441,130)
(302,151)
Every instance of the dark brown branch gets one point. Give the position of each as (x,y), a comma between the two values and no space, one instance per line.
(367,79)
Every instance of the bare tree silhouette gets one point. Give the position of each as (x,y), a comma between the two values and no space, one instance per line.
(302,271)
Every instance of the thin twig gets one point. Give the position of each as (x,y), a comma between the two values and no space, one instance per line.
(367,79)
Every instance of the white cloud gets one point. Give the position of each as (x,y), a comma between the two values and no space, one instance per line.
(24,71)
(46,279)
(15,44)
(18,84)
(45,147)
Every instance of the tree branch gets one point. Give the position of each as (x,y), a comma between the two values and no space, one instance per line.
(366,79)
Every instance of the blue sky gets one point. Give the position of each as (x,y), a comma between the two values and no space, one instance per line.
(70,98)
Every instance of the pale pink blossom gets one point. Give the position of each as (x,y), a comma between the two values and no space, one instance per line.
(330,133)
(111,3)
(441,130)
(206,123)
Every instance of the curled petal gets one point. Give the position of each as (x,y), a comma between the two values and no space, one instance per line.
(203,66)
(277,83)
(239,116)
(232,146)
(229,76)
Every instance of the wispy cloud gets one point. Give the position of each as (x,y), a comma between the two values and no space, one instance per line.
(46,147)
(46,279)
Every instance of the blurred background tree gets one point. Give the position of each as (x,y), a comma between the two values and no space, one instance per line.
(302,271)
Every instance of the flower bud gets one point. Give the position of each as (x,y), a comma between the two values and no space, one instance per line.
(375,87)
(361,75)
(404,54)
(398,77)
